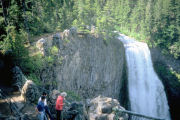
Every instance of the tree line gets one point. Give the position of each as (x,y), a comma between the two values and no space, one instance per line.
(154,21)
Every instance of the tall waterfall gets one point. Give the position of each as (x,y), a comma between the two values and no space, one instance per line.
(146,91)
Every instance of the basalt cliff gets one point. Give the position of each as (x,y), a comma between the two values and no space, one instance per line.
(86,64)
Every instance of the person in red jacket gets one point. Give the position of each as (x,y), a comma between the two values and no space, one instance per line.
(59,105)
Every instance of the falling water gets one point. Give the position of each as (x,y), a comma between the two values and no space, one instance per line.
(146,91)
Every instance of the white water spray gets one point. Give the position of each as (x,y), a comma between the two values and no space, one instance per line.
(146,91)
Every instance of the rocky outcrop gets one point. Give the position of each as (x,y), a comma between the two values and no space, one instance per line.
(76,111)
(85,64)
(101,108)
(30,92)
(18,78)
(40,44)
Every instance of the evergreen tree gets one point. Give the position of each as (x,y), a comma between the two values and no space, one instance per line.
(156,21)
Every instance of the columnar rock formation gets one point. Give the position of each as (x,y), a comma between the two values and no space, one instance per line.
(85,64)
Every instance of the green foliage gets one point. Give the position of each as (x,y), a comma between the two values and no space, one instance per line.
(34,78)
(60,60)
(171,77)
(72,96)
(175,49)
(117,113)
(49,60)
(34,64)
(54,51)
(155,22)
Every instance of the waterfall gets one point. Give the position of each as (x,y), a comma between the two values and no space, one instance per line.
(146,91)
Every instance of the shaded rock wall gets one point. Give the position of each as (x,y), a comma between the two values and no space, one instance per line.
(164,65)
(6,64)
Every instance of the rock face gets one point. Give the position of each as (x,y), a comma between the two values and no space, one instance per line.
(164,64)
(18,78)
(100,108)
(86,64)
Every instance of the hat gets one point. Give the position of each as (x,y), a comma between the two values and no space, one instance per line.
(64,94)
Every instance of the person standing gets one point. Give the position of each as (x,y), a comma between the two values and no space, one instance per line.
(47,111)
(41,109)
(59,105)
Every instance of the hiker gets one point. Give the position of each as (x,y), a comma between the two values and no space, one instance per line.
(59,105)
(47,111)
(41,109)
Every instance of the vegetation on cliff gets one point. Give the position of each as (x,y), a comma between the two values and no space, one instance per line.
(171,81)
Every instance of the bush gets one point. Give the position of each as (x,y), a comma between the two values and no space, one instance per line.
(72,96)
(175,50)
(34,78)
(54,51)
(169,77)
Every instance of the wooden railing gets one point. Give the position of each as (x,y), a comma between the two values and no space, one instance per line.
(134,116)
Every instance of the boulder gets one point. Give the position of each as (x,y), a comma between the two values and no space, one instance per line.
(100,108)
(54,94)
(76,111)
(29,112)
(70,33)
(57,41)
(106,108)
(41,45)
(93,29)
(73,30)
(30,92)
(66,33)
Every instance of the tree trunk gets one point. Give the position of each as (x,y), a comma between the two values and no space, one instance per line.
(5,18)
(25,19)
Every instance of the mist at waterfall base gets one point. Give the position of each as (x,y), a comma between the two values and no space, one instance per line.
(146,91)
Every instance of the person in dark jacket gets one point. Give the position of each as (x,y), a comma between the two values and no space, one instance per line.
(41,109)
(47,111)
